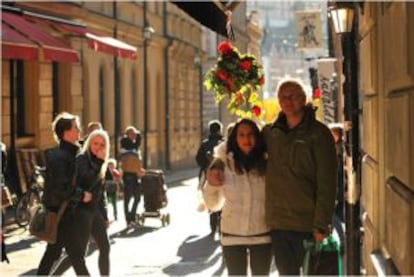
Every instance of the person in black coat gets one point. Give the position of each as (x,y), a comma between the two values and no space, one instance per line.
(92,216)
(60,173)
(204,157)
(130,144)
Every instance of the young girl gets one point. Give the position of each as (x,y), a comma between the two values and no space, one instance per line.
(92,217)
(245,236)
(112,185)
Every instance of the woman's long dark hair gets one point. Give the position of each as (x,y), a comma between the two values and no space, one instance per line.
(255,160)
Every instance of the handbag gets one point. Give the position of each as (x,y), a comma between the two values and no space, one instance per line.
(322,258)
(44,223)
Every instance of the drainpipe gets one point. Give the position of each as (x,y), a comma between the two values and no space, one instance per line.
(117,100)
(167,89)
(200,77)
(352,203)
(145,76)
(11,171)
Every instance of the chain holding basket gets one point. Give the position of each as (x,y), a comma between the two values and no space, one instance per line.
(238,77)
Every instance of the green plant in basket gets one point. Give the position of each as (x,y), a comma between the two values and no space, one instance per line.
(238,77)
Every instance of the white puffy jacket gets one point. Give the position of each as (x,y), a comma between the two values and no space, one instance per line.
(242,201)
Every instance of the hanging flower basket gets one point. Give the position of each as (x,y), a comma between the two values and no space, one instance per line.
(238,77)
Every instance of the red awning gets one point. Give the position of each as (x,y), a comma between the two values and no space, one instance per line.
(101,43)
(53,48)
(16,46)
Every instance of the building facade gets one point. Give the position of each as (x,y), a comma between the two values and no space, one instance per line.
(111,73)
(387,126)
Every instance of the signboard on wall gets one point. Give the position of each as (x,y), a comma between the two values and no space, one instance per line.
(309,29)
(329,95)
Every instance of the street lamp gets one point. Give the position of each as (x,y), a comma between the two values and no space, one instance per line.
(147,32)
(342,15)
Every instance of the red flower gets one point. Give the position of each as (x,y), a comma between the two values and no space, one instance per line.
(256,110)
(239,98)
(230,83)
(225,48)
(221,74)
(245,65)
(261,80)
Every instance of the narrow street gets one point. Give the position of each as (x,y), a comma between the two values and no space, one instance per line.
(182,248)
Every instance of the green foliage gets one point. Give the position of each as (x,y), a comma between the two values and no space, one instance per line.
(237,77)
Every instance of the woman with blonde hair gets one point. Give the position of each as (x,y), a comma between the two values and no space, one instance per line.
(92,216)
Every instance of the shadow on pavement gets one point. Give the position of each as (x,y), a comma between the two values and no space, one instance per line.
(197,254)
(64,263)
(133,232)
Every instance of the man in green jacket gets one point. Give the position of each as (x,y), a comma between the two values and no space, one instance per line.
(300,178)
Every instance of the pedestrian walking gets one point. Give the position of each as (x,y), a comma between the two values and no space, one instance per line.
(301,177)
(60,171)
(92,217)
(203,158)
(92,126)
(131,172)
(112,185)
(245,237)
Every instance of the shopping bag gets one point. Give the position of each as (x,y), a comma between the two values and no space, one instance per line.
(44,223)
(322,258)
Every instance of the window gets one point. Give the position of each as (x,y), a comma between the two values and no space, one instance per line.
(55,89)
(20,96)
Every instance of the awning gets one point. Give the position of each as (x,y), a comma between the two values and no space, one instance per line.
(53,48)
(16,46)
(108,45)
(207,13)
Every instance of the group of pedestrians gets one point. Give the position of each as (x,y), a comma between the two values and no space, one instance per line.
(80,172)
(276,187)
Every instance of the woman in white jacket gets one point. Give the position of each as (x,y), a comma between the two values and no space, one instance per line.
(245,236)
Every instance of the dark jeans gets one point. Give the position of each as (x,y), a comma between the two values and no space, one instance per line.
(131,190)
(288,250)
(237,257)
(69,236)
(215,221)
(100,235)
(113,200)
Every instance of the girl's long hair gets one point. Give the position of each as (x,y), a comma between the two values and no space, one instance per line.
(256,159)
(86,147)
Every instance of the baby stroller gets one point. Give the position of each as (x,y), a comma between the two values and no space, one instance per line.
(154,191)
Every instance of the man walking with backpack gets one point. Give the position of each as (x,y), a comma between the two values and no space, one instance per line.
(205,156)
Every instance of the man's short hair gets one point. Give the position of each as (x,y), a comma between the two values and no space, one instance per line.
(215,127)
(290,81)
(62,123)
(133,129)
(94,125)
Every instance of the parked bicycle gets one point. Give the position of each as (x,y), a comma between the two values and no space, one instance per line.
(31,198)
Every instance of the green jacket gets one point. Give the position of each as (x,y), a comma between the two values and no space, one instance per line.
(301,175)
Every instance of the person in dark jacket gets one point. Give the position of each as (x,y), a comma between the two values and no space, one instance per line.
(60,173)
(131,141)
(92,216)
(204,157)
(301,177)
(131,165)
